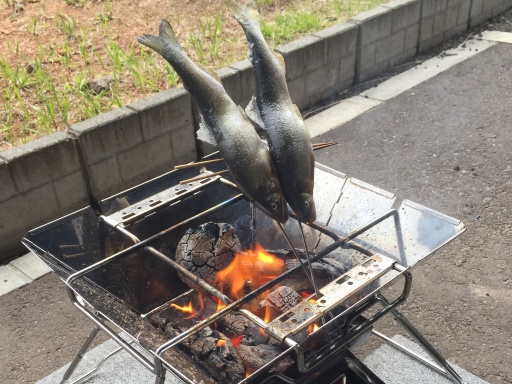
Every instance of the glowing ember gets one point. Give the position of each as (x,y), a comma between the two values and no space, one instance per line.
(220,342)
(254,267)
(237,340)
(313,328)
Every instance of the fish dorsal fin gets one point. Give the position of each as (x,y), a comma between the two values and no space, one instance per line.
(204,133)
(253,114)
(280,58)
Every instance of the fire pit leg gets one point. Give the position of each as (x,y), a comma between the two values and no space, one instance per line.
(449,372)
(159,371)
(80,354)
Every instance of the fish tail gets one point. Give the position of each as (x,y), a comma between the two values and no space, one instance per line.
(246,15)
(158,43)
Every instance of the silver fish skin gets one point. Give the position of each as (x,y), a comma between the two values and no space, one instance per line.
(288,138)
(245,155)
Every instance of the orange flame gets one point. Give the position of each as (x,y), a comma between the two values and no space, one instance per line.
(313,328)
(254,267)
(185,309)
(189,308)
(220,305)
(237,340)
(220,342)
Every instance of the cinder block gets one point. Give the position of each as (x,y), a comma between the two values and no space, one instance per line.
(428,8)
(366,58)
(373,71)
(490,4)
(247,81)
(231,82)
(183,143)
(452,13)
(163,112)
(347,72)
(404,13)
(297,90)
(10,245)
(501,9)
(7,189)
(402,58)
(454,31)
(439,23)
(108,133)
(411,37)
(105,176)
(302,56)
(42,160)
(339,41)
(392,46)
(137,162)
(28,210)
(477,7)
(426,28)
(321,79)
(463,15)
(441,5)
(71,192)
(374,25)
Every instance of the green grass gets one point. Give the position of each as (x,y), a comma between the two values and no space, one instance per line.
(37,101)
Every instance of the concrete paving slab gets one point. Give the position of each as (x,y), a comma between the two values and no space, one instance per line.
(394,366)
(11,280)
(428,69)
(497,36)
(120,368)
(339,114)
(31,266)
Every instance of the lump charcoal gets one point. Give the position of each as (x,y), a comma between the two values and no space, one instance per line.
(222,362)
(206,250)
(282,298)
(254,357)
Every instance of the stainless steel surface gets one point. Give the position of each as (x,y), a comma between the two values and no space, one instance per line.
(356,225)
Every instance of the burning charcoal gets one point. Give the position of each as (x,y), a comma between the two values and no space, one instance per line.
(254,357)
(233,325)
(282,299)
(212,350)
(206,250)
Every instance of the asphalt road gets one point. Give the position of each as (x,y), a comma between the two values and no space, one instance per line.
(446,144)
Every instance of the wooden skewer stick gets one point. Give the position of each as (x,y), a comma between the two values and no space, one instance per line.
(316,147)
(203,176)
(198,164)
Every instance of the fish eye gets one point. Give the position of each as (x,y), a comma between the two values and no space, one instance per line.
(273,206)
(306,203)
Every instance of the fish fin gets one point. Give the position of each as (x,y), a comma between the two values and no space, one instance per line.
(165,37)
(247,14)
(204,134)
(167,33)
(253,114)
(280,58)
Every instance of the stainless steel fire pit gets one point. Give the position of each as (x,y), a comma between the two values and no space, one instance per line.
(118,263)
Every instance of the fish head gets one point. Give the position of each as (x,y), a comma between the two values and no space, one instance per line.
(301,200)
(304,207)
(272,202)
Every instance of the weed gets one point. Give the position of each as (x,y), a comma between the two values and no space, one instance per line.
(290,24)
(66,25)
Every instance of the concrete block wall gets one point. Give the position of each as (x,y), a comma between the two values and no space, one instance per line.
(52,176)
(39,182)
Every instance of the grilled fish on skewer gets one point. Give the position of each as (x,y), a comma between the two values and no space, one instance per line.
(272,109)
(245,154)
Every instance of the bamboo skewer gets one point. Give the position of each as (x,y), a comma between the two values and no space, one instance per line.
(203,176)
(316,147)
